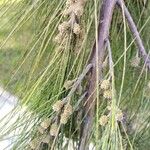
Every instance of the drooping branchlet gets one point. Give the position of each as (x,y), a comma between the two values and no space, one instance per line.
(74,10)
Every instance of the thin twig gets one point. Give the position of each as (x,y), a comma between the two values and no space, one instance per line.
(79,80)
(103,33)
(111,64)
(76,107)
(135,33)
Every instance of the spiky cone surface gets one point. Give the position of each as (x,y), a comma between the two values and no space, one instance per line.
(103,120)
(63,27)
(108,94)
(34,143)
(54,129)
(105,85)
(135,61)
(76,29)
(58,105)
(40,129)
(76,8)
(45,123)
(68,109)
(64,118)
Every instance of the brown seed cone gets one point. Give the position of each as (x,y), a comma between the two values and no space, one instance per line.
(103,120)
(53,129)
(58,105)
(46,123)
(64,118)
(68,109)
(107,94)
(78,10)
(63,27)
(76,29)
(105,85)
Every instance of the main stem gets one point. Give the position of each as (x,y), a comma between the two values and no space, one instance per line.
(103,33)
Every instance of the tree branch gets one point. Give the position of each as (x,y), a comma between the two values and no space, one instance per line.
(103,33)
(135,33)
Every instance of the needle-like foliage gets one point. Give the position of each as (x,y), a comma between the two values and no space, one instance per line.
(50,43)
